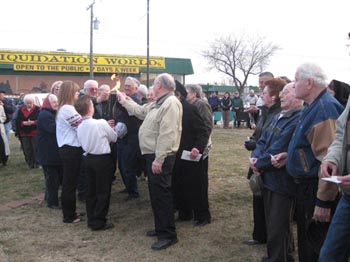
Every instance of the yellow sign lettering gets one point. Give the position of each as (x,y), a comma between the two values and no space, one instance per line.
(69,62)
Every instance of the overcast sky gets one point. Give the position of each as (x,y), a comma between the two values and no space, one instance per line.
(306,30)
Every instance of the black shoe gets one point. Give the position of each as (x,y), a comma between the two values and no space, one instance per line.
(163,243)
(76,220)
(151,233)
(201,223)
(252,242)
(104,227)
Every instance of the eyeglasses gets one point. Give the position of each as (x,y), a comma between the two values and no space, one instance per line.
(93,89)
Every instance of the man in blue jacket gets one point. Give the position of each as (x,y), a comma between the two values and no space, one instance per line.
(313,135)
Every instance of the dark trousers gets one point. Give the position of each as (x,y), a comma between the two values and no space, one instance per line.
(237,121)
(71,158)
(259,231)
(226,118)
(29,150)
(305,203)
(53,176)
(99,171)
(128,162)
(190,190)
(161,197)
(114,158)
(82,180)
(278,215)
(201,207)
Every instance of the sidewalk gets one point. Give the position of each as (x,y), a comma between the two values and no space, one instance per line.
(21,202)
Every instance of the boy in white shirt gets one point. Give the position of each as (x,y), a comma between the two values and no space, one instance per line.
(95,136)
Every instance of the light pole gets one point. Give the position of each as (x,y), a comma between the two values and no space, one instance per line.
(94,24)
(147,43)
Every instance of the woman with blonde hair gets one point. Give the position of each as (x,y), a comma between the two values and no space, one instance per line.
(70,150)
(55,88)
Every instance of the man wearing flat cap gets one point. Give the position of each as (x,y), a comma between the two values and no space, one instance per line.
(237,107)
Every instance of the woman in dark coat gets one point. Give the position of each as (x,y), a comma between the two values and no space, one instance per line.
(48,150)
(26,124)
(188,176)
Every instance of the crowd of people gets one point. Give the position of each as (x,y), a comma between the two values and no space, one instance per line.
(300,138)
(81,136)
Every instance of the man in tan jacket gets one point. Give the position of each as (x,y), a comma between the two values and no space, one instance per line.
(159,138)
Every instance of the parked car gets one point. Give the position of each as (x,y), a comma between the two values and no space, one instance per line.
(39,98)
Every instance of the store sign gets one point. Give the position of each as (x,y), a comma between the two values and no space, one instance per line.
(68,62)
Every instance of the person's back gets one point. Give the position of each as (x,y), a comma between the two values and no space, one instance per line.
(95,135)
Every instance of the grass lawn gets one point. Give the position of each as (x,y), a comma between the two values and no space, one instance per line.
(36,233)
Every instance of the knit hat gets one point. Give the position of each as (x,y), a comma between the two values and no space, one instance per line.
(180,88)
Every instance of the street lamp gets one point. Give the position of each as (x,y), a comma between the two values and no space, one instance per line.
(94,24)
(147,43)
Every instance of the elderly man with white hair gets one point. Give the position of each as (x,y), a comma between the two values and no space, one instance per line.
(313,135)
(91,88)
(159,139)
(102,106)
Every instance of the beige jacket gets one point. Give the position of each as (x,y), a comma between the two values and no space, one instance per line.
(338,151)
(160,131)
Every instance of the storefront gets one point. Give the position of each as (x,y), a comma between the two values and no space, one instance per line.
(29,71)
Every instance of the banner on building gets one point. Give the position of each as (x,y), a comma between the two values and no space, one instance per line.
(70,62)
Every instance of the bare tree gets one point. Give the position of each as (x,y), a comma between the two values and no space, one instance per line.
(239,57)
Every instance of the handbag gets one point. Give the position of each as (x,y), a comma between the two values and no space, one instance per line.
(256,184)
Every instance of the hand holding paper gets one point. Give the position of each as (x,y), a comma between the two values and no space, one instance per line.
(186,155)
(333,179)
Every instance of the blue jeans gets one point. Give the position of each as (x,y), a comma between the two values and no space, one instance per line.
(7,130)
(336,247)
(128,153)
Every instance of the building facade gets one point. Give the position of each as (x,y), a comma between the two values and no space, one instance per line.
(32,71)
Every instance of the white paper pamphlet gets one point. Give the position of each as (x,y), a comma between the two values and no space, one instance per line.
(333,179)
(186,156)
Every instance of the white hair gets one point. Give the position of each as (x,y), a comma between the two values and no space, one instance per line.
(314,72)
(28,98)
(166,80)
(87,83)
(142,89)
(105,88)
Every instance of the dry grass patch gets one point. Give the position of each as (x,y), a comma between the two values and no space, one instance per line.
(35,233)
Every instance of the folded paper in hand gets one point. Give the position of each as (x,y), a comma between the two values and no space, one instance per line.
(333,179)
(186,156)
